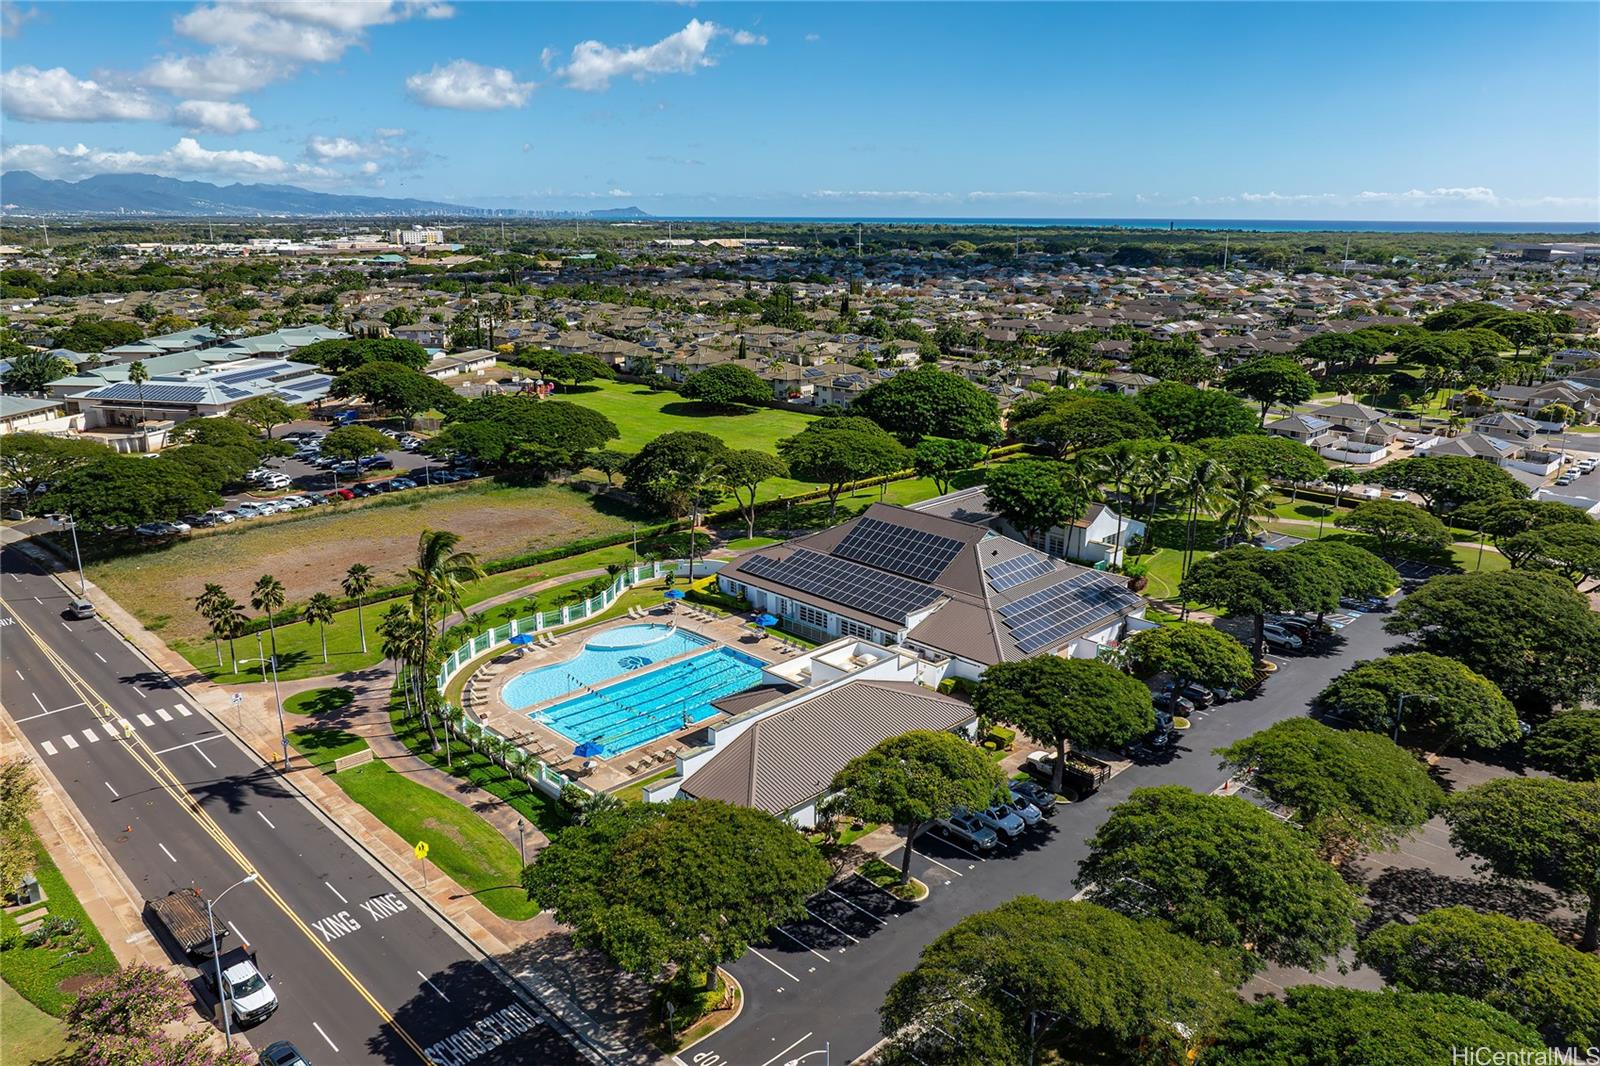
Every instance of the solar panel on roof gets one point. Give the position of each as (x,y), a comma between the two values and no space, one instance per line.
(842,581)
(126,390)
(1016,571)
(232,393)
(1043,618)
(249,375)
(912,552)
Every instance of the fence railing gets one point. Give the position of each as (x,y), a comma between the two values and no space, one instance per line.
(538,773)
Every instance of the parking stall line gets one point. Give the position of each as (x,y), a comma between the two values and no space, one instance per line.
(264,818)
(852,906)
(114,792)
(879,888)
(324,1036)
(802,943)
(936,862)
(164,850)
(962,850)
(786,1050)
(774,965)
(97,655)
(830,925)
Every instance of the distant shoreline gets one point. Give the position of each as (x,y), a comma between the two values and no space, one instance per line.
(1243,225)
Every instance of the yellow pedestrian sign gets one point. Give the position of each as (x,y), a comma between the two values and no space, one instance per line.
(421,849)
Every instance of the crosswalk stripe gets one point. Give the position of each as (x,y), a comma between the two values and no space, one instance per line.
(183,712)
(49,748)
(163,715)
(90,735)
(68,741)
(144,718)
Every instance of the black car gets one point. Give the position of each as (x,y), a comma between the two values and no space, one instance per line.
(1158,741)
(1197,695)
(1179,705)
(1041,798)
(283,1053)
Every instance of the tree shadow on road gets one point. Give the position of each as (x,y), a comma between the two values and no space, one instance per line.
(1403,893)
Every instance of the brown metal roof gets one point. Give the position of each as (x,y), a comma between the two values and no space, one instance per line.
(791,756)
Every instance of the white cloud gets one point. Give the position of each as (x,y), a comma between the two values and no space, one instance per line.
(185,159)
(215,75)
(467,86)
(369,167)
(353,15)
(330,149)
(594,64)
(14,16)
(813,38)
(388,132)
(57,95)
(618,192)
(300,31)
(216,116)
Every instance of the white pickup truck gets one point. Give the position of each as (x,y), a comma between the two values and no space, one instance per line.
(245,994)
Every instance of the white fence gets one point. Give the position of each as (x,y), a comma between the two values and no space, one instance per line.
(538,773)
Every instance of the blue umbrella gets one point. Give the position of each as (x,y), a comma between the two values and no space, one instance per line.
(589,749)
(673,594)
(522,638)
(765,620)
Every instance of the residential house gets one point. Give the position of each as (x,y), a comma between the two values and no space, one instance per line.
(1509,453)
(1096,538)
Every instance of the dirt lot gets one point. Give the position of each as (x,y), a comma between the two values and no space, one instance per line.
(311,551)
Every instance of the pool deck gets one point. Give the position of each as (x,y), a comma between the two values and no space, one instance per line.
(646,760)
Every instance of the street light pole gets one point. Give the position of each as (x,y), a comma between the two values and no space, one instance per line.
(1400,710)
(522,848)
(216,956)
(283,730)
(72,524)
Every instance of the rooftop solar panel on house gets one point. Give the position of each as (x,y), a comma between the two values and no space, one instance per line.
(127,390)
(1016,571)
(249,375)
(842,581)
(1045,617)
(912,552)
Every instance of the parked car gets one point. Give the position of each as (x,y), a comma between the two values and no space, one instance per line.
(1081,774)
(282,1053)
(248,996)
(1363,603)
(341,494)
(1173,704)
(222,516)
(964,828)
(1003,820)
(150,529)
(1042,798)
(1280,637)
(1158,741)
(365,488)
(403,483)
(1024,808)
(80,609)
(1300,627)
(1198,695)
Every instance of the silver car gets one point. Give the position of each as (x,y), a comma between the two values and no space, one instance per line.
(964,827)
(1024,808)
(1003,820)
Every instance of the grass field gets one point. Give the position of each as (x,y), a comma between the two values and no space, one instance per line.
(311,554)
(28,1034)
(38,973)
(643,415)
(463,846)
(318,701)
(540,810)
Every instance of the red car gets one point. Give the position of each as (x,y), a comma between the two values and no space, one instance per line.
(343,494)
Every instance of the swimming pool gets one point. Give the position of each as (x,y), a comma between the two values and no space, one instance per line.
(649,706)
(604,656)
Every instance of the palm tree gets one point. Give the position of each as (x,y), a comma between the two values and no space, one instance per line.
(357,580)
(1244,496)
(206,605)
(267,596)
(1199,485)
(1119,464)
(437,582)
(139,375)
(228,621)
(402,633)
(319,611)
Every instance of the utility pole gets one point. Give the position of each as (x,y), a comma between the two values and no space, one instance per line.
(858,240)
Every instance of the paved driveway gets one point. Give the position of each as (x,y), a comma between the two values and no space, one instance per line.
(814,990)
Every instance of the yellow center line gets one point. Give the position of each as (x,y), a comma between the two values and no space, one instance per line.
(164,777)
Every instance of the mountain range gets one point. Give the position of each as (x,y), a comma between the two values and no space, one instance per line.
(23,192)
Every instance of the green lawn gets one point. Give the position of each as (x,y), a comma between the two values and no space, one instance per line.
(643,415)
(463,846)
(743,543)
(38,972)
(28,1034)
(634,791)
(319,701)
(540,810)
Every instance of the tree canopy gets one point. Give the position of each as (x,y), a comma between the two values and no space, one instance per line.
(745,470)
(1070,703)
(31,371)
(1394,524)
(128,490)
(1449,482)
(1568,745)
(622,882)
(1571,549)
(928,401)
(1036,495)
(28,460)
(1223,871)
(1356,571)
(338,356)
(941,458)
(1188,414)
(1352,790)
(1191,652)
(649,474)
(912,779)
(1443,696)
(726,385)
(1068,420)
(1515,966)
(1317,1026)
(574,368)
(1270,379)
(1266,456)
(266,412)
(1530,634)
(1083,972)
(354,442)
(1248,580)
(1536,829)
(394,387)
(840,450)
(492,428)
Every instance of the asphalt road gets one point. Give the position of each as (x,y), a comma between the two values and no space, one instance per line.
(362,970)
(812,993)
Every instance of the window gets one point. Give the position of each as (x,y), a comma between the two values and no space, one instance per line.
(811,615)
(850,628)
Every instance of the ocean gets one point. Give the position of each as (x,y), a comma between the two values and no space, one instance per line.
(1287,225)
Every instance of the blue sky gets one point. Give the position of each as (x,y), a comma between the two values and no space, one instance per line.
(1475,111)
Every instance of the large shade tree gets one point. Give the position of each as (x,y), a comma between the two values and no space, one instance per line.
(1449,482)
(1536,829)
(913,779)
(1223,871)
(1067,420)
(1568,745)
(928,401)
(839,451)
(1069,703)
(1395,526)
(689,884)
(1442,698)
(1037,495)
(1529,633)
(1268,380)
(726,387)
(1188,414)
(1002,984)
(1191,652)
(28,460)
(126,491)
(1246,580)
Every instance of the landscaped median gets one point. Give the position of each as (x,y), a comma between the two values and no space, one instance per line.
(465,848)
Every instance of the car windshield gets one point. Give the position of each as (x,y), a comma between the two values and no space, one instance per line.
(249,986)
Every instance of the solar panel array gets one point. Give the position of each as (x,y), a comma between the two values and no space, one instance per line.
(126,390)
(1013,572)
(842,581)
(1043,618)
(251,374)
(904,550)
